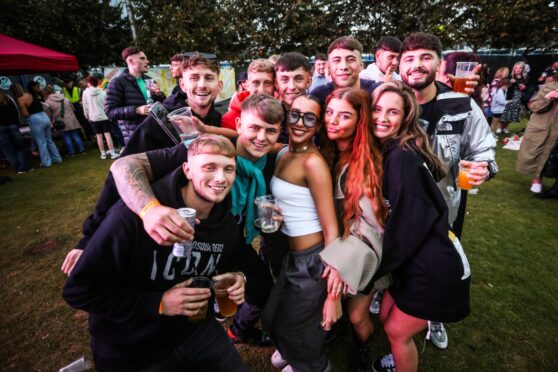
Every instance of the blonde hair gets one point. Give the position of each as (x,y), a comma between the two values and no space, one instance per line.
(261,65)
(212,144)
(523,72)
(502,73)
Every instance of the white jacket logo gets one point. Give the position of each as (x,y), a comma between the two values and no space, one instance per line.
(191,265)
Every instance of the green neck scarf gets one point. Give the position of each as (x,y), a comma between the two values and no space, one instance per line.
(249,184)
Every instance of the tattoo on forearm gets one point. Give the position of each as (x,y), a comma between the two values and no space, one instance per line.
(132,180)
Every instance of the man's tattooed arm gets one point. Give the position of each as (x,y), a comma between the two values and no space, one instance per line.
(132,175)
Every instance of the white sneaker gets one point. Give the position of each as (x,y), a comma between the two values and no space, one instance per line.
(499,131)
(288,368)
(103,156)
(536,188)
(278,362)
(384,364)
(437,334)
(114,155)
(505,131)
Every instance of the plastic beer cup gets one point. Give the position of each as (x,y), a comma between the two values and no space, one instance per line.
(462,71)
(227,307)
(463,178)
(200,282)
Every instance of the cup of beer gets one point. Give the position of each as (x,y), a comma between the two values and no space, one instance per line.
(462,71)
(200,282)
(227,307)
(463,178)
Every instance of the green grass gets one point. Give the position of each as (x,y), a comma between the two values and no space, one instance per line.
(510,239)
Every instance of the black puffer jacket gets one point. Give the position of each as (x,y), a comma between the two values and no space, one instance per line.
(123,97)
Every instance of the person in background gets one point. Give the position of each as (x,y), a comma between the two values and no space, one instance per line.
(514,96)
(59,108)
(261,79)
(486,98)
(11,141)
(128,94)
(73,94)
(498,104)
(384,68)
(541,134)
(93,107)
(320,66)
(241,86)
(31,108)
(175,69)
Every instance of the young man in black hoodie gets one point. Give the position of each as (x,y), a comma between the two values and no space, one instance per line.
(138,293)
(258,128)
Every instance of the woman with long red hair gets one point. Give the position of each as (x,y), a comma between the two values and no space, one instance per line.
(355,161)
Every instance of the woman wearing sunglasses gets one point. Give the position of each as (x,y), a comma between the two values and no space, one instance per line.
(302,186)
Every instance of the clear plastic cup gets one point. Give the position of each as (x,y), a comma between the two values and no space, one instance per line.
(227,307)
(266,211)
(462,71)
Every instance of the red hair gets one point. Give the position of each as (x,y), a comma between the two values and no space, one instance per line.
(364,160)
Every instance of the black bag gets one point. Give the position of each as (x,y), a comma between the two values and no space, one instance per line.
(550,169)
(59,123)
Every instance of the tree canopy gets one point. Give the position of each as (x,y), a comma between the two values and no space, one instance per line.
(96,31)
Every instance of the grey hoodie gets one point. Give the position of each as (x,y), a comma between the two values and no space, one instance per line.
(93,101)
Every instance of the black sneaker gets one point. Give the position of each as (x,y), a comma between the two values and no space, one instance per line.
(359,363)
(256,337)
(384,364)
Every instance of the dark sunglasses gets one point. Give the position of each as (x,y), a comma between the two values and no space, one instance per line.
(309,119)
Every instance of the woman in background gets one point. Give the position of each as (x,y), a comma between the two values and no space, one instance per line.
(11,142)
(60,108)
(31,108)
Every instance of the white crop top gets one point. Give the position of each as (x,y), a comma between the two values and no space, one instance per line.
(300,216)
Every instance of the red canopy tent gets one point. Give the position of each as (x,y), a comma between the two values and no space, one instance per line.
(19,57)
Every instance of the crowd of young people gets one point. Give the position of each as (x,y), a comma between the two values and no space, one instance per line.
(365,175)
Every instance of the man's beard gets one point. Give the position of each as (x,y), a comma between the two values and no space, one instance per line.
(423,84)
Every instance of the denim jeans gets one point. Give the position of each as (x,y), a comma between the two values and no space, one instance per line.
(13,147)
(68,136)
(42,134)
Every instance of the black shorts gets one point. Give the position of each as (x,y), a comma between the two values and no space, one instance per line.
(101,126)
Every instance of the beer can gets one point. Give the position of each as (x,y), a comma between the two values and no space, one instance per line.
(184,249)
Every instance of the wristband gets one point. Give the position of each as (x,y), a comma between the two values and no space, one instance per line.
(148,206)
(161,308)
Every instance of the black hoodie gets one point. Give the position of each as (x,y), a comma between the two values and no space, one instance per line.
(429,280)
(122,275)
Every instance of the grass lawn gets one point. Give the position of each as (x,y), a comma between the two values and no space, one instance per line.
(510,237)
